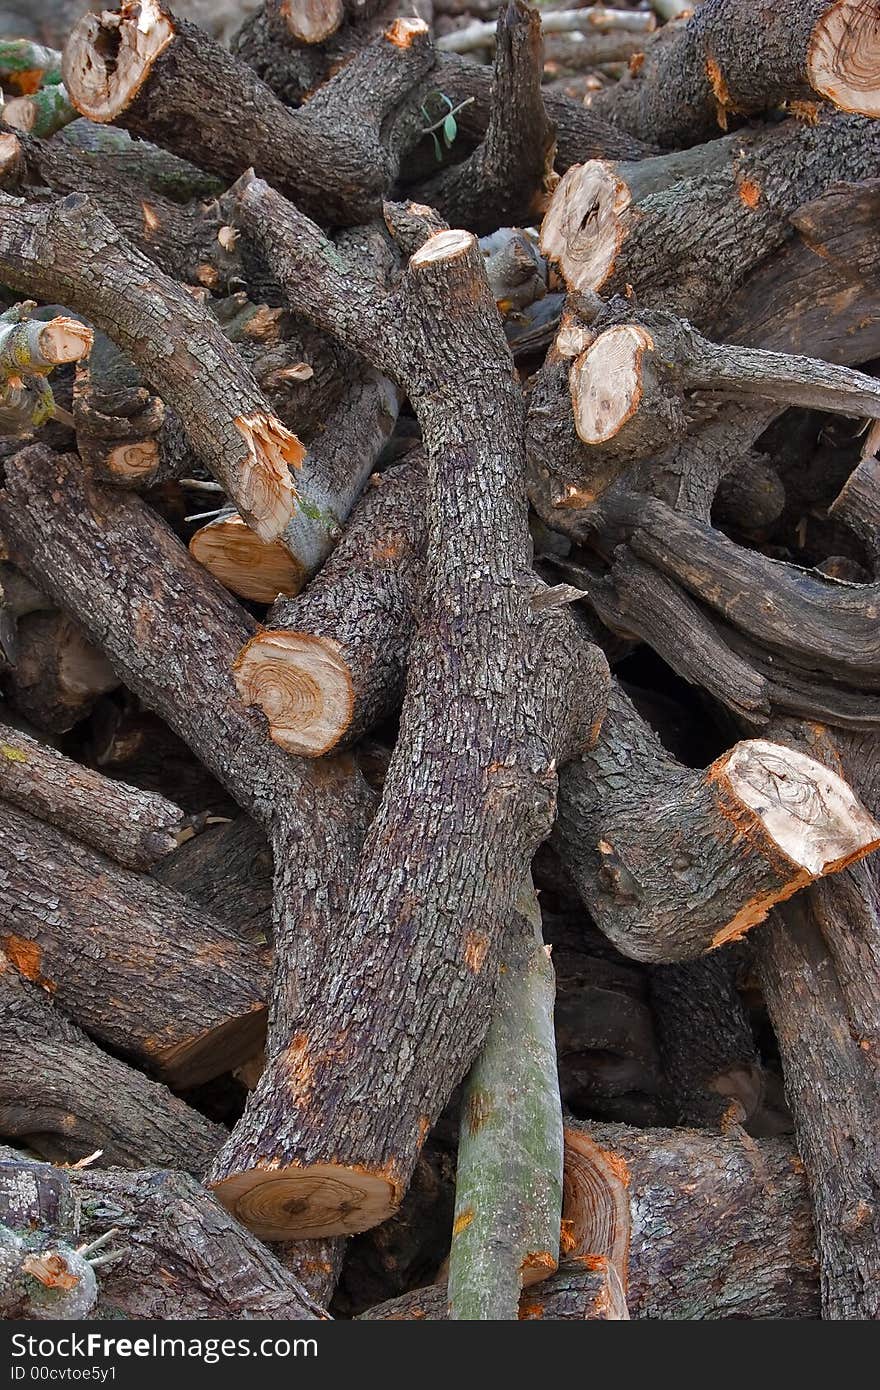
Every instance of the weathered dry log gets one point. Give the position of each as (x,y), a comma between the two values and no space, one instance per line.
(580,1291)
(734,58)
(719,209)
(61,1096)
(133,827)
(69,252)
(165,79)
(711,1064)
(633,389)
(295,70)
(134,963)
(177,1254)
(228,869)
(817,959)
(506,178)
(702,856)
(696,1225)
(58,675)
(183,634)
(331,664)
(306,1159)
(340,459)
(858,504)
(813,621)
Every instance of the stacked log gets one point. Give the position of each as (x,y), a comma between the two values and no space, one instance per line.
(440,741)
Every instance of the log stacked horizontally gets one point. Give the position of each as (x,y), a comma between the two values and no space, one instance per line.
(439,583)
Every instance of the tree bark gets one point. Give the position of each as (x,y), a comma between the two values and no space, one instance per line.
(63,1097)
(57,674)
(69,252)
(488,781)
(702,857)
(508,1184)
(135,828)
(169,82)
(578,1292)
(735,58)
(178,1256)
(331,664)
(720,209)
(696,1225)
(135,964)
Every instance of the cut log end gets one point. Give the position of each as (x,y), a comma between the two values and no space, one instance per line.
(325,1199)
(268,496)
(109,57)
(11,153)
(21,113)
(844,58)
(312,21)
(582,231)
(247,566)
(65,340)
(221,1049)
(131,462)
(443,246)
(606,382)
(303,686)
(810,815)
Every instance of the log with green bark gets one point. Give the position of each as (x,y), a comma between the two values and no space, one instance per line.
(508,1187)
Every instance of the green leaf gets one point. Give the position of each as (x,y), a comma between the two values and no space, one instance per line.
(450,130)
(437,150)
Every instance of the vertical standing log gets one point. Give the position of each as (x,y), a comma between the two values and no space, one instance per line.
(508,1184)
(310,1157)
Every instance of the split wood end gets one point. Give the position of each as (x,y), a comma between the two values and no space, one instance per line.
(109,57)
(606,382)
(268,497)
(843,63)
(404,32)
(247,566)
(302,684)
(11,153)
(325,1199)
(583,230)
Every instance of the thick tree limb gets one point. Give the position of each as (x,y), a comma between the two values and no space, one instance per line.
(331,664)
(69,252)
(342,1165)
(135,964)
(734,58)
(715,851)
(64,1098)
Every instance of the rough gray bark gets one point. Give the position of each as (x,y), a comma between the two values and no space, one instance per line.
(168,81)
(697,1225)
(672,861)
(61,1096)
(527,696)
(134,963)
(133,827)
(577,1292)
(737,58)
(178,1254)
(68,251)
(331,664)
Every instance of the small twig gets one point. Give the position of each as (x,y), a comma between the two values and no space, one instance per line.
(92,1245)
(453,111)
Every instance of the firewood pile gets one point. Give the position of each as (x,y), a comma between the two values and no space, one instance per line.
(440,658)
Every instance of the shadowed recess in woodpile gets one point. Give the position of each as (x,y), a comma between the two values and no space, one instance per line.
(439,660)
